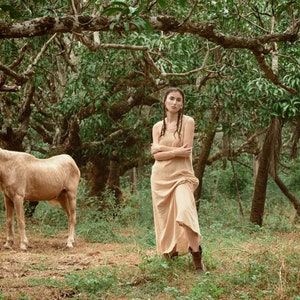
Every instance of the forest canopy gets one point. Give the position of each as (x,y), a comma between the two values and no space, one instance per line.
(86,78)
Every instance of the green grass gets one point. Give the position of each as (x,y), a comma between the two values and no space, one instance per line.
(244,261)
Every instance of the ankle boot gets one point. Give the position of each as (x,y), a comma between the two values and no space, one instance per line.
(197,260)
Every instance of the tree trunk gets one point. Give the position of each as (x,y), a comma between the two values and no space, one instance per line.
(260,188)
(113,181)
(295,140)
(202,160)
(97,174)
(133,180)
(204,154)
(237,188)
(288,194)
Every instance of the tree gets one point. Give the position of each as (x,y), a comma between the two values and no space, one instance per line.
(95,104)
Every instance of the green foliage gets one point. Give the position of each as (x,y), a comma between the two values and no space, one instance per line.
(92,283)
(49,282)
(140,204)
(253,276)
(291,178)
(287,107)
(51,218)
(7,9)
(221,183)
(71,81)
(131,14)
(162,272)
(104,216)
(206,290)
(15,10)
(244,261)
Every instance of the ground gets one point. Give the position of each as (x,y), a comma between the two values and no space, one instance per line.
(262,261)
(47,258)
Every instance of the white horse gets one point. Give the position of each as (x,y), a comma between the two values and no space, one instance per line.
(25,177)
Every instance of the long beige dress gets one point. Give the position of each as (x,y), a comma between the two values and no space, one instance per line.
(172,184)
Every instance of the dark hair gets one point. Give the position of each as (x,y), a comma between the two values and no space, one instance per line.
(180,112)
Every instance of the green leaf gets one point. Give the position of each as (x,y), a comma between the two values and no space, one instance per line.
(141,24)
(120,3)
(13,13)
(132,10)
(112,26)
(162,3)
(181,2)
(110,11)
(126,26)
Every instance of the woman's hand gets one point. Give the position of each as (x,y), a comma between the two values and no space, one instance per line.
(155,148)
(183,151)
(171,152)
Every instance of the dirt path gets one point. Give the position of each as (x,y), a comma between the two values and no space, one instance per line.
(47,258)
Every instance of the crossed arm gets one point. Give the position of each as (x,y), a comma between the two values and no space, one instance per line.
(161,152)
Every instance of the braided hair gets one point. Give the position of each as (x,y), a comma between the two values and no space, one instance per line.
(180,112)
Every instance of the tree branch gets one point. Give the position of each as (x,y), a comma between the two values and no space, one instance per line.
(270,74)
(81,23)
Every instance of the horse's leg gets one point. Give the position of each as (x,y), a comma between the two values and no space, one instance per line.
(68,202)
(9,211)
(71,200)
(19,201)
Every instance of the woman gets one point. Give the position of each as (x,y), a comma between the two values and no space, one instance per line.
(173,182)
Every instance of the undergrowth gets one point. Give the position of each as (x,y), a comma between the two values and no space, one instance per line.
(244,261)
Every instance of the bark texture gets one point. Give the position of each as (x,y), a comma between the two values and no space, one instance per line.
(265,158)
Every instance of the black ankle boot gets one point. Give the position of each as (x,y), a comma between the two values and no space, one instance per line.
(197,260)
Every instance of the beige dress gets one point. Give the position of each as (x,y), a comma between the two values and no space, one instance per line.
(173,184)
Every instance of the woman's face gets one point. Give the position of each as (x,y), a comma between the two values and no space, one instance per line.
(174,102)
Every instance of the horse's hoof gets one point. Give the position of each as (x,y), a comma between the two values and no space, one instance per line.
(8,245)
(23,247)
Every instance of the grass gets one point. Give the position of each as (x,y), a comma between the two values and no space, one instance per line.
(263,265)
(244,261)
